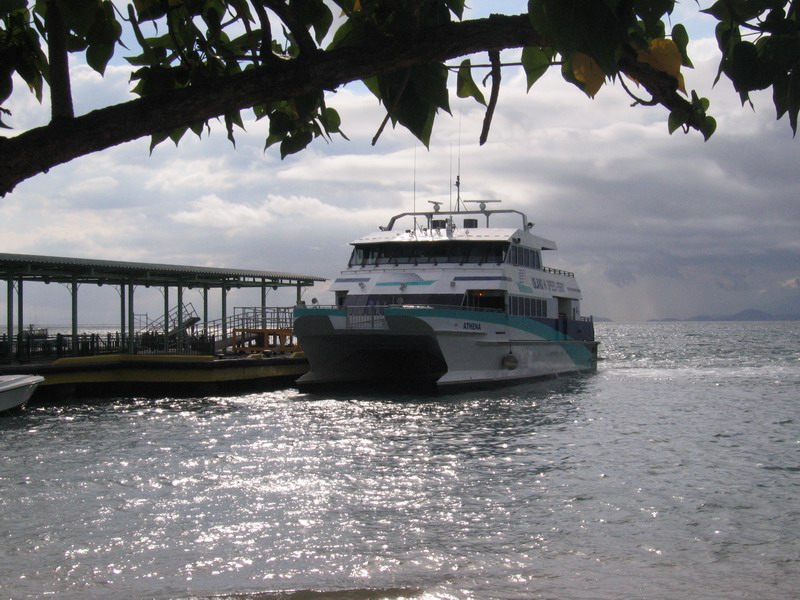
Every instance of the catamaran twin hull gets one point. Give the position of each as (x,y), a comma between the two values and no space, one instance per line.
(402,346)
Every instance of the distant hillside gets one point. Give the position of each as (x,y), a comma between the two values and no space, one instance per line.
(750,314)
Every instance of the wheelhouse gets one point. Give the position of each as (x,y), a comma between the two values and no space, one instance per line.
(428,253)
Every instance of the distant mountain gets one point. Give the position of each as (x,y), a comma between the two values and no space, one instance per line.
(750,314)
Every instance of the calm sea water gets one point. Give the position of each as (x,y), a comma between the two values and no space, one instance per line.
(674,472)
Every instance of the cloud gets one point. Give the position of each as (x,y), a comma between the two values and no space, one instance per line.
(213,212)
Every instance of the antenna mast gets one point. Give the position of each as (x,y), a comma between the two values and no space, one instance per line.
(450,205)
(458,175)
(414,206)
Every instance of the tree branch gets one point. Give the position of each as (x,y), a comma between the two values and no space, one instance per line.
(663,88)
(266,32)
(60,89)
(37,150)
(494,59)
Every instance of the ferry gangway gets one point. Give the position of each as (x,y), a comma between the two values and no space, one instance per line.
(254,329)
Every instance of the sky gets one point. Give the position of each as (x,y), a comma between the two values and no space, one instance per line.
(653,225)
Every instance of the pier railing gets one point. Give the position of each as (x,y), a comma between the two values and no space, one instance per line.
(262,329)
(46,348)
(248,330)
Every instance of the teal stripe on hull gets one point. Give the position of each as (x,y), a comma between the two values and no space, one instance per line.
(536,328)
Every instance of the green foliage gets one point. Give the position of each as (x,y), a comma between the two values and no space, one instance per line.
(315,15)
(536,61)
(681,39)
(175,44)
(295,123)
(769,57)
(596,28)
(414,97)
(696,115)
(465,85)
(91,27)
(20,50)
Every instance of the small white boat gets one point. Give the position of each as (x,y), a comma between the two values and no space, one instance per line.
(448,302)
(16,390)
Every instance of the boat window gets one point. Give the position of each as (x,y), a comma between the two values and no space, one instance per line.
(485,299)
(527,307)
(526,257)
(356,257)
(453,252)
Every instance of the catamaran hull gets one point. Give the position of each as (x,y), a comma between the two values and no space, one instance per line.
(434,348)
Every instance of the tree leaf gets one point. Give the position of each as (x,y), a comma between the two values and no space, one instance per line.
(652,11)
(588,73)
(676,120)
(465,85)
(231,119)
(98,56)
(681,39)
(9,6)
(313,13)
(6,85)
(594,27)
(157,138)
(663,54)
(330,120)
(295,143)
(4,111)
(457,6)
(176,134)
(708,127)
(746,69)
(535,62)
(793,100)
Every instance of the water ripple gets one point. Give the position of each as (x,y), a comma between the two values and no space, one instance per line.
(672,470)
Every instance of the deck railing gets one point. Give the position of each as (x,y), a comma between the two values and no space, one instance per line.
(366,318)
(558,272)
(373,317)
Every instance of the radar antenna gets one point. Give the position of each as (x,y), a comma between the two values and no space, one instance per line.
(482,203)
(436,205)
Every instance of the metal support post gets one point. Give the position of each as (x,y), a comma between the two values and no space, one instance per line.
(10,316)
(74,292)
(180,319)
(131,340)
(166,319)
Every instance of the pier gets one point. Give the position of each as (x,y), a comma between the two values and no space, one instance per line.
(182,347)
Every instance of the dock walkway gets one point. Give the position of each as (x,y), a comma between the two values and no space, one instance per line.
(181,353)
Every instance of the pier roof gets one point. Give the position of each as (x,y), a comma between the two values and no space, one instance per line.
(31,267)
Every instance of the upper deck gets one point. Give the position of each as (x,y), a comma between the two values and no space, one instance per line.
(462,225)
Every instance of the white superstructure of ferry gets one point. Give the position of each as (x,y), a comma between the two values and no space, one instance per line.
(447,299)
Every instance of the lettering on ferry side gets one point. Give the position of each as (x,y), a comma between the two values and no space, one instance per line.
(547,284)
(472,326)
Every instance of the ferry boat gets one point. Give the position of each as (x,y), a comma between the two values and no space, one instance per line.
(447,300)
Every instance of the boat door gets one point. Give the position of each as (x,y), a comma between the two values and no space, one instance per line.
(340,296)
